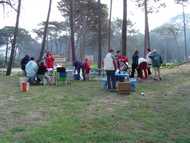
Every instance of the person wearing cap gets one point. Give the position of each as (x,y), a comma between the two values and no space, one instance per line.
(110,68)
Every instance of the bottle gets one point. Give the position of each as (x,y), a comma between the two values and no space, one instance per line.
(142,93)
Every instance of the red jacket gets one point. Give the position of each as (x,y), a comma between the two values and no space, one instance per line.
(86,67)
(49,61)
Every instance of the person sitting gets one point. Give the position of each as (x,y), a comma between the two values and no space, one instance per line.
(121,61)
(31,71)
(23,63)
(41,74)
(142,68)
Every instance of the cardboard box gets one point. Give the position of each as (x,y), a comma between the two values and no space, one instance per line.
(123,88)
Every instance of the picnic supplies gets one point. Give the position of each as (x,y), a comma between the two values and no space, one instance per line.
(24,84)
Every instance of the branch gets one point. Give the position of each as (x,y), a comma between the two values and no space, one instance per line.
(8,3)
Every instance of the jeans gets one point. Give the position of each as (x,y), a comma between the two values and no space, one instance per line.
(111,80)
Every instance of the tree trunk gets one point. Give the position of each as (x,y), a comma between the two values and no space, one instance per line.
(45,33)
(124,28)
(71,18)
(6,53)
(9,67)
(185,33)
(99,38)
(146,35)
(109,30)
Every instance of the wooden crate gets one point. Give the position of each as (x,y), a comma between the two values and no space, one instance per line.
(123,87)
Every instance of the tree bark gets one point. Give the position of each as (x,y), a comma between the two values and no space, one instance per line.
(9,67)
(45,33)
(124,28)
(185,33)
(99,38)
(71,18)
(146,35)
(109,30)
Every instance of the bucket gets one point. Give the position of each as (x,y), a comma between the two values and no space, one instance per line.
(103,83)
(133,84)
(24,85)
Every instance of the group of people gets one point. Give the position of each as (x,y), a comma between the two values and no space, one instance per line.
(81,66)
(141,65)
(112,63)
(36,72)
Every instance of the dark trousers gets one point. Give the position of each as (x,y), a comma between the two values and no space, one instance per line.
(149,71)
(134,67)
(111,80)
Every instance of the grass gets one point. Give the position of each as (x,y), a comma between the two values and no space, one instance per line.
(85,113)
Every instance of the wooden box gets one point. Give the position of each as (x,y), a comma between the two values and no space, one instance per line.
(123,87)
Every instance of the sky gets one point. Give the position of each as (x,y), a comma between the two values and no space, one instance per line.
(34,12)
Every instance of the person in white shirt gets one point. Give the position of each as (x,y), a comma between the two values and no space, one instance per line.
(110,68)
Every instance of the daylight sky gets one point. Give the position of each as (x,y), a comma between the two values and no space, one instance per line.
(34,11)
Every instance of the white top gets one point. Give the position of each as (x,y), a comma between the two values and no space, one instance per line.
(149,61)
(140,60)
(108,62)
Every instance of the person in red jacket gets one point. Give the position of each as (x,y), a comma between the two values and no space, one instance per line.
(86,69)
(49,61)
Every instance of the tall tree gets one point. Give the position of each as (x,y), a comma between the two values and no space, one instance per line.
(109,26)
(7,2)
(124,28)
(71,19)
(149,6)
(67,7)
(9,67)
(84,18)
(182,2)
(45,32)
(146,29)
(99,38)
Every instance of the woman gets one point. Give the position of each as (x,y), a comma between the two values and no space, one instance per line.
(135,59)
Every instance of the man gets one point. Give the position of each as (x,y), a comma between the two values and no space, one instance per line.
(31,70)
(23,63)
(156,63)
(110,68)
(135,59)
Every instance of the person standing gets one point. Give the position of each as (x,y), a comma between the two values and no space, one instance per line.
(86,69)
(77,69)
(110,68)
(135,59)
(156,63)
(23,63)
(49,61)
